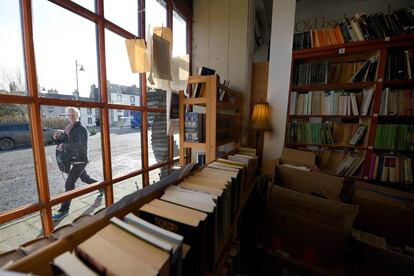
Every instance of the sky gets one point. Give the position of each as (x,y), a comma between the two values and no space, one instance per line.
(62,37)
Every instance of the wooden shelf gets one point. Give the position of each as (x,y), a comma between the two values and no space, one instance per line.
(351,52)
(393,151)
(230,106)
(330,116)
(236,116)
(219,262)
(226,141)
(232,101)
(354,47)
(201,100)
(395,117)
(328,146)
(195,145)
(226,129)
(332,86)
(399,83)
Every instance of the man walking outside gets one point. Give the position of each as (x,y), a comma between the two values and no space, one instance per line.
(74,143)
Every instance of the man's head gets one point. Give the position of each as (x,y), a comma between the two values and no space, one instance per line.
(73,114)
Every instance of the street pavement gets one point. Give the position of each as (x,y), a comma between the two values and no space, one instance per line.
(18,186)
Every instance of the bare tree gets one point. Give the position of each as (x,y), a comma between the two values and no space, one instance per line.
(12,81)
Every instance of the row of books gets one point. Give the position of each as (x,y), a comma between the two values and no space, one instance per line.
(395,137)
(342,72)
(330,103)
(397,102)
(348,134)
(325,72)
(179,233)
(310,133)
(359,27)
(327,133)
(141,248)
(400,65)
(340,162)
(215,193)
(195,127)
(391,168)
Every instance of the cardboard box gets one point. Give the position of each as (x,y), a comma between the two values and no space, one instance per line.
(372,251)
(307,227)
(382,211)
(385,212)
(310,182)
(305,217)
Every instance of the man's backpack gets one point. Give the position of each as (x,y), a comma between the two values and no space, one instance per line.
(62,160)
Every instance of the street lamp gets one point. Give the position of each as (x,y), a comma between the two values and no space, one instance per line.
(76,70)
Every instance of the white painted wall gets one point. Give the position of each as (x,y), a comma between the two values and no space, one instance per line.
(283,16)
(221,41)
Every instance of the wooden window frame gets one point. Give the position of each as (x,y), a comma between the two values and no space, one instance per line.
(35,102)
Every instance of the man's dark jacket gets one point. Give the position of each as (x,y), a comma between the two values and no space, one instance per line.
(75,144)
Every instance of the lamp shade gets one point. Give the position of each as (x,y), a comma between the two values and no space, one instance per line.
(260,117)
(138,56)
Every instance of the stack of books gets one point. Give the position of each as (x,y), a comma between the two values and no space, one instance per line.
(310,133)
(182,231)
(330,103)
(341,163)
(400,65)
(397,102)
(325,72)
(201,208)
(140,248)
(395,137)
(359,27)
(389,168)
(194,127)
(344,134)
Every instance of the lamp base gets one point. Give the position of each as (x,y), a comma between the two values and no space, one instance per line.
(259,147)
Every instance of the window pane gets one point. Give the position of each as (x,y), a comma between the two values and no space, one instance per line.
(127,187)
(158,174)
(123,13)
(19,231)
(125,141)
(66,57)
(12,74)
(77,147)
(176,145)
(123,85)
(17,176)
(86,204)
(179,35)
(155,14)
(89,4)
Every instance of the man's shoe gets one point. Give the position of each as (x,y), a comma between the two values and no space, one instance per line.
(100,195)
(59,215)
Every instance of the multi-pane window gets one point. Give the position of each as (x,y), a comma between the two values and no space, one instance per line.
(62,65)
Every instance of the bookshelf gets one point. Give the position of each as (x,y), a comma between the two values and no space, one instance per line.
(393,114)
(221,122)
